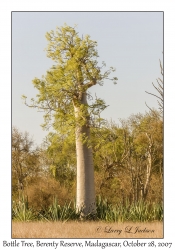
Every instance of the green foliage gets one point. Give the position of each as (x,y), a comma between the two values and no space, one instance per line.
(122,155)
(140,211)
(62,87)
(62,213)
(147,130)
(136,212)
(62,157)
(21,210)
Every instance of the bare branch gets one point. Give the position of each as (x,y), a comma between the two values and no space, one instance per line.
(154,95)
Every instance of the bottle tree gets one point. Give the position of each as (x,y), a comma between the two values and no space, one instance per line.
(63,95)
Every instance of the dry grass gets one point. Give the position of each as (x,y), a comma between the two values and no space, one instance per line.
(86,230)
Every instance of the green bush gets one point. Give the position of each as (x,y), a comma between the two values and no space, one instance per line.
(140,211)
(21,210)
(136,212)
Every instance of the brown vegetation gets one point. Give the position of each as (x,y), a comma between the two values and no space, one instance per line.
(86,230)
(40,193)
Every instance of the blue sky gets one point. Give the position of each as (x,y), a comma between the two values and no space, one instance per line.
(132,42)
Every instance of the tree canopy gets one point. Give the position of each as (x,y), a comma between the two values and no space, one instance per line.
(75,71)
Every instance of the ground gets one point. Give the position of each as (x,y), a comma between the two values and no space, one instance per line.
(60,230)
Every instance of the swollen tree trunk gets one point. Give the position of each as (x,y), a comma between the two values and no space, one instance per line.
(85,200)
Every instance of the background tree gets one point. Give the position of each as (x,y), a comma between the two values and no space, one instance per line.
(126,168)
(25,161)
(63,94)
(107,149)
(62,159)
(144,151)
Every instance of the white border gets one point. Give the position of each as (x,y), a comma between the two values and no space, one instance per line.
(5,93)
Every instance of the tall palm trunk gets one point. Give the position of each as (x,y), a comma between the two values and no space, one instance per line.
(85,199)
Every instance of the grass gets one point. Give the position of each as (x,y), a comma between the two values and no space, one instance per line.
(75,229)
(135,212)
(140,211)
(139,220)
(22,212)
